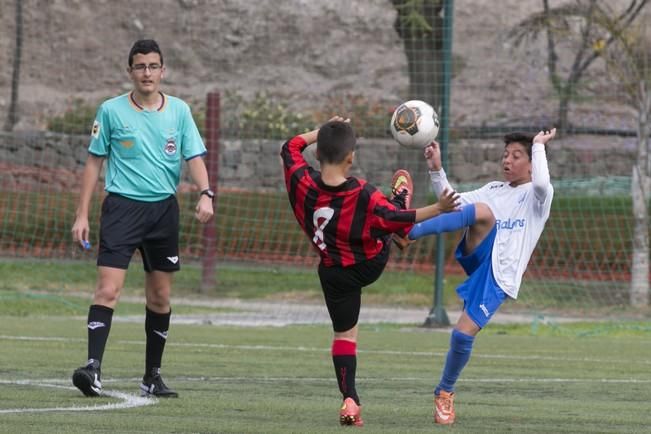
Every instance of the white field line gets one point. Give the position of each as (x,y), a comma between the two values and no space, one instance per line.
(126,400)
(251,379)
(477,355)
(266,379)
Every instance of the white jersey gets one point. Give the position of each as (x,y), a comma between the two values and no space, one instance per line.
(520,214)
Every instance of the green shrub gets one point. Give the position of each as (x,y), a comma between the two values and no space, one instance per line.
(262,117)
(266,117)
(369,117)
(77,119)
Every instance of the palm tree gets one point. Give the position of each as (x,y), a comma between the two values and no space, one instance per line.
(578,26)
(420,26)
(622,43)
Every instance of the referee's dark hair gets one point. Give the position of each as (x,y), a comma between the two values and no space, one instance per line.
(334,141)
(144,46)
(524,139)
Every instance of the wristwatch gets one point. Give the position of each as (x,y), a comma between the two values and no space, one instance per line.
(208,192)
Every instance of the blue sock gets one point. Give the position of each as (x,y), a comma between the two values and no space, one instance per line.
(447,222)
(458,356)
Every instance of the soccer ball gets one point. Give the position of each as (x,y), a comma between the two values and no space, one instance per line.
(414,124)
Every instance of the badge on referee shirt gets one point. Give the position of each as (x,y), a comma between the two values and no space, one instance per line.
(170,146)
(95,131)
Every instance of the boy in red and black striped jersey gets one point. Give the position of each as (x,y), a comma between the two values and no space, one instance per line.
(350,223)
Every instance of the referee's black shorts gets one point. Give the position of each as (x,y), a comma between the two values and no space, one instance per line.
(151,227)
(342,288)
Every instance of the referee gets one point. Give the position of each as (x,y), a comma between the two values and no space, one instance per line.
(144,136)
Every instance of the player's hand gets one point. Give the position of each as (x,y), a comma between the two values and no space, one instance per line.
(449,201)
(80,231)
(339,119)
(432,154)
(545,136)
(310,137)
(204,209)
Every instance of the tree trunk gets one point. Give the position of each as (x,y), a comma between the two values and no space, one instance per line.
(425,67)
(566,94)
(641,193)
(563,109)
(12,116)
(640,258)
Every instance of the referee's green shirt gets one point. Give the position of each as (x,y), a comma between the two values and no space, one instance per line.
(144,148)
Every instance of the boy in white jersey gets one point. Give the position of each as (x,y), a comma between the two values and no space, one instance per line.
(504,221)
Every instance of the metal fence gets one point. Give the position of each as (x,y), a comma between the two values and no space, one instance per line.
(281,67)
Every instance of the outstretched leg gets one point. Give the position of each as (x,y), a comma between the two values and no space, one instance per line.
(477,217)
(448,222)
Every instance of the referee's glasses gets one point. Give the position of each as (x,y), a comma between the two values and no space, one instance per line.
(141,67)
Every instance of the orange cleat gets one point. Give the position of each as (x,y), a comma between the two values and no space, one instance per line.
(444,408)
(401,184)
(350,413)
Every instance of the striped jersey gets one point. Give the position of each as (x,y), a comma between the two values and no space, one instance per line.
(346,224)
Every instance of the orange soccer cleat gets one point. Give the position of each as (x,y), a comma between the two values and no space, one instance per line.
(444,408)
(402,185)
(350,413)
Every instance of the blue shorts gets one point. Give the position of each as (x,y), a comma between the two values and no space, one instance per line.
(481,295)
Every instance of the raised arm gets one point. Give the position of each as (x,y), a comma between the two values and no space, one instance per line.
(291,152)
(539,170)
(437,174)
(439,179)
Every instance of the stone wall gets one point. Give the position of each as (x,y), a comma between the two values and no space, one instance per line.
(28,159)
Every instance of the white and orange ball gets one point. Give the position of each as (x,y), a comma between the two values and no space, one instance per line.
(414,124)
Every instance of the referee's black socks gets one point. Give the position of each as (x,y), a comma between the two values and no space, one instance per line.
(99,326)
(156,326)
